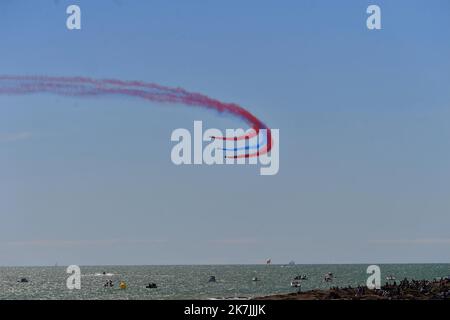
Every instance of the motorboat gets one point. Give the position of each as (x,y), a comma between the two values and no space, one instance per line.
(328,277)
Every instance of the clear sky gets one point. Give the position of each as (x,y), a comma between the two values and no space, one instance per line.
(363,118)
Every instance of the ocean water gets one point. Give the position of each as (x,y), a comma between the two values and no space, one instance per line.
(191,282)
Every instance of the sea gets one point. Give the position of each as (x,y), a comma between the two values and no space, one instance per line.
(192,282)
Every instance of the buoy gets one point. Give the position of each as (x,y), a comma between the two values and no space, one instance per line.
(122,285)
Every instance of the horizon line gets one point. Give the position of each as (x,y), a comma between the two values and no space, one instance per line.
(221,264)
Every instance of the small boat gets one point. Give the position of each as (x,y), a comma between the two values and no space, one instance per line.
(296,283)
(23,280)
(212,279)
(255,279)
(151,286)
(328,277)
(292,263)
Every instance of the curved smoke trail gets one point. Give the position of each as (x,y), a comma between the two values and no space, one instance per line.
(85,87)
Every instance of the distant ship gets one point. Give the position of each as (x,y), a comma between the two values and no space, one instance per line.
(290,264)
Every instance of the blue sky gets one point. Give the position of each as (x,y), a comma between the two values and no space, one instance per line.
(363,118)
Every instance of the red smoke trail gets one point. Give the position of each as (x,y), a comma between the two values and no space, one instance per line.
(82,87)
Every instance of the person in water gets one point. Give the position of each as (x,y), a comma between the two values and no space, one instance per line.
(109,284)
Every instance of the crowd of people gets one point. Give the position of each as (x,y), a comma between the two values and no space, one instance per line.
(436,289)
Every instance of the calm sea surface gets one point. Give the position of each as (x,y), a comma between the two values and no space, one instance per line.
(191,282)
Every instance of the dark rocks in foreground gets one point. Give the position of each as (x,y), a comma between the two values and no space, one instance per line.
(405,290)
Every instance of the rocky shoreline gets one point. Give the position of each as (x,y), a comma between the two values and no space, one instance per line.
(405,290)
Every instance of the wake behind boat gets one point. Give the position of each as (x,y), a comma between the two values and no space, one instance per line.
(104,274)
